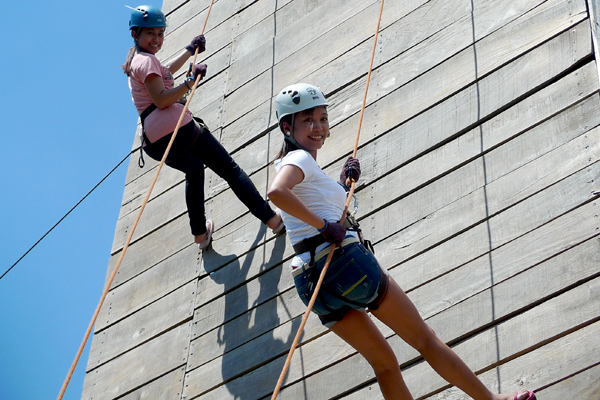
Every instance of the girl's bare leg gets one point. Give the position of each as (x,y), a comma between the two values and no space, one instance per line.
(358,330)
(400,314)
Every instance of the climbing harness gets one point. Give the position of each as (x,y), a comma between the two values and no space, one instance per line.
(311,273)
(333,247)
(145,140)
(309,245)
(133,228)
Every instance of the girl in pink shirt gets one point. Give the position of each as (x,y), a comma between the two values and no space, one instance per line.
(157,100)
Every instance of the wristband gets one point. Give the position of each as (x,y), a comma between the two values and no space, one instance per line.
(346,187)
(325,227)
(189,78)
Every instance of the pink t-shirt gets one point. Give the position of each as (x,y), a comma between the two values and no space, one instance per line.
(160,122)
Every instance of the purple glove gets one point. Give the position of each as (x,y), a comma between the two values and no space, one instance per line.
(351,170)
(199,42)
(333,232)
(198,69)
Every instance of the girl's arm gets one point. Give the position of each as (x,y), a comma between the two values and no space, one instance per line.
(160,96)
(175,64)
(280,193)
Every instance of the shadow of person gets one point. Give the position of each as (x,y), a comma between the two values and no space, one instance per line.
(248,338)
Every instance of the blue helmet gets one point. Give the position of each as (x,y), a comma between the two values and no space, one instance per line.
(147,17)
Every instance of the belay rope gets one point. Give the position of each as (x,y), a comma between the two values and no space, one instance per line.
(333,247)
(137,220)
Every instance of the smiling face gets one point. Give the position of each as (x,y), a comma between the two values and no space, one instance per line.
(311,128)
(150,39)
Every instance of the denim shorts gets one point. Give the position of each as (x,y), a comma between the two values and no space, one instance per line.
(354,279)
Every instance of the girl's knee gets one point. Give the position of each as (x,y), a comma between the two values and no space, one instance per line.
(384,362)
(424,339)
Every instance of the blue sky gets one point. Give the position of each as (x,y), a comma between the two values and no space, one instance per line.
(67,119)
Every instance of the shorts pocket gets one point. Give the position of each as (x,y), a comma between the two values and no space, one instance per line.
(351,281)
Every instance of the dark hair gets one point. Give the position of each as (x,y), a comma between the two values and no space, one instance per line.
(287,146)
(127,65)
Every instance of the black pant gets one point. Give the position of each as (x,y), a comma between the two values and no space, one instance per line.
(193,148)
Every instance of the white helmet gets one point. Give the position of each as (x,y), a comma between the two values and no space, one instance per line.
(296,98)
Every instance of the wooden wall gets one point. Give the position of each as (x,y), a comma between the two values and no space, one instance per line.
(481,175)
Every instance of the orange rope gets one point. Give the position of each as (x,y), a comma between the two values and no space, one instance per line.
(333,247)
(129,238)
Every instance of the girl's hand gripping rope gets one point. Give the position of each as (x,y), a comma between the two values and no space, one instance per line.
(197,70)
(333,232)
(350,172)
(199,42)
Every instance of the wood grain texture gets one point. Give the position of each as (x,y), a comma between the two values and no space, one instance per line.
(164,314)
(480,161)
(135,368)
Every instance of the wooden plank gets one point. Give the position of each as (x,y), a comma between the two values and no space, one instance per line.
(256,35)
(582,385)
(487,235)
(148,287)
(289,39)
(166,387)
(148,323)
(542,279)
(221,11)
(139,366)
(218,30)
(161,210)
(135,191)
(168,6)
(156,247)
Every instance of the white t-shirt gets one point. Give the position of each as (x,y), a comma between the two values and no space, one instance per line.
(321,194)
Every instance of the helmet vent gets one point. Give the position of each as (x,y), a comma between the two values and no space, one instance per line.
(295,97)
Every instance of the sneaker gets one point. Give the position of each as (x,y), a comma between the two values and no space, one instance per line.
(208,237)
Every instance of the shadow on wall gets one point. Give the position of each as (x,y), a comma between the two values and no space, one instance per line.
(251,334)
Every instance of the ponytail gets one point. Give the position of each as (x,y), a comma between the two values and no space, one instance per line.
(127,66)
(286,147)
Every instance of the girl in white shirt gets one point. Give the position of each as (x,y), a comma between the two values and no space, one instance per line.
(312,205)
